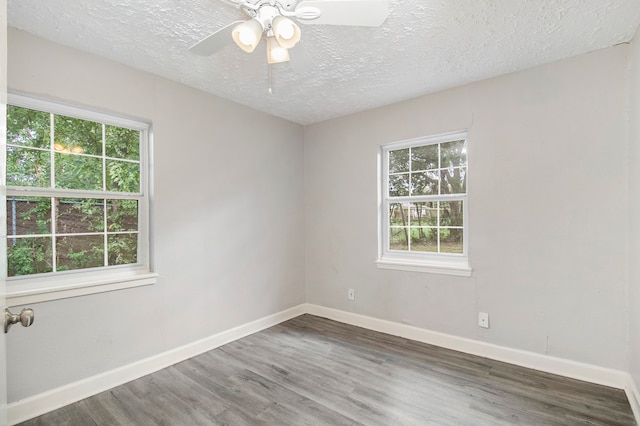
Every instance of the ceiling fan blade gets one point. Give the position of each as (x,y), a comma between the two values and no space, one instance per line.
(365,13)
(301,61)
(216,41)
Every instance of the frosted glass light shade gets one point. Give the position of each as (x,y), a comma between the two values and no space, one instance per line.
(275,52)
(286,32)
(247,35)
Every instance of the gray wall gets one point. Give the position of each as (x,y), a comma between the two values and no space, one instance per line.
(548,211)
(634,210)
(228,221)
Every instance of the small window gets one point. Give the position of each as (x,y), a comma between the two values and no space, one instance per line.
(423,218)
(77,195)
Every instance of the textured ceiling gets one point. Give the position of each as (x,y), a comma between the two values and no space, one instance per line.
(424,46)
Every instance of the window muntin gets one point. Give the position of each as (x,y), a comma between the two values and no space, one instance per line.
(76,190)
(423,212)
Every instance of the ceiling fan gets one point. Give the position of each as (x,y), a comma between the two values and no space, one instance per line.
(271,20)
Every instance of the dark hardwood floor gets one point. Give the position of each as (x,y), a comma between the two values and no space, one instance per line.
(314,371)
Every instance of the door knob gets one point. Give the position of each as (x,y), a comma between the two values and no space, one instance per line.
(25,318)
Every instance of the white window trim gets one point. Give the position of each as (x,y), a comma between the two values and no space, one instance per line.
(23,290)
(437,263)
(55,287)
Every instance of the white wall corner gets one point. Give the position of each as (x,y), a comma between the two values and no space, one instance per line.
(45,402)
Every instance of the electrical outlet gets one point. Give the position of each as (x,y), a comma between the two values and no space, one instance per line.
(483,320)
(351,294)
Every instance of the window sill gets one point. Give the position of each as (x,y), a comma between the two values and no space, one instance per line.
(457,268)
(36,291)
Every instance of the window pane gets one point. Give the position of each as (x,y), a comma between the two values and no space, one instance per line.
(123,176)
(424,157)
(122,143)
(28,256)
(425,183)
(424,214)
(398,214)
(398,239)
(430,218)
(67,155)
(451,213)
(399,161)
(77,136)
(28,127)
(79,252)
(451,240)
(28,167)
(79,215)
(78,172)
(122,215)
(123,249)
(424,239)
(399,185)
(454,154)
(454,181)
(28,215)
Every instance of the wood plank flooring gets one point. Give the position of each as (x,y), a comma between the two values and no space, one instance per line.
(314,371)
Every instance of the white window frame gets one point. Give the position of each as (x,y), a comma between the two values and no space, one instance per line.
(27,289)
(439,263)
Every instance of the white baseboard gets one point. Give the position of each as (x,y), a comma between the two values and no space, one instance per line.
(37,405)
(563,367)
(633,395)
(576,370)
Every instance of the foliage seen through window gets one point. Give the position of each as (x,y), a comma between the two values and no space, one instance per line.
(87,179)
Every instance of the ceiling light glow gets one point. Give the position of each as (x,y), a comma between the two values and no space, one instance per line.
(275,52)
(247,35)
(286,32)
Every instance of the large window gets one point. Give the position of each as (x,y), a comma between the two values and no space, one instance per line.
(423,209)
(76,198)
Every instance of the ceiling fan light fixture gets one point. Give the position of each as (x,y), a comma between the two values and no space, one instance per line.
(275,52)
(247,35)
(286,32)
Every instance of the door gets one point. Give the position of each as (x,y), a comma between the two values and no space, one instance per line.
(3,211)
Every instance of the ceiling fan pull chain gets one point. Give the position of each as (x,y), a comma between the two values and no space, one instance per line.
(270,79)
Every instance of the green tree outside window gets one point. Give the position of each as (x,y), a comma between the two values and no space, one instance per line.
(83,172)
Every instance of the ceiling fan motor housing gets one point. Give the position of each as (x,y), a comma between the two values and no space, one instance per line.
(265,10)
(265,15)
